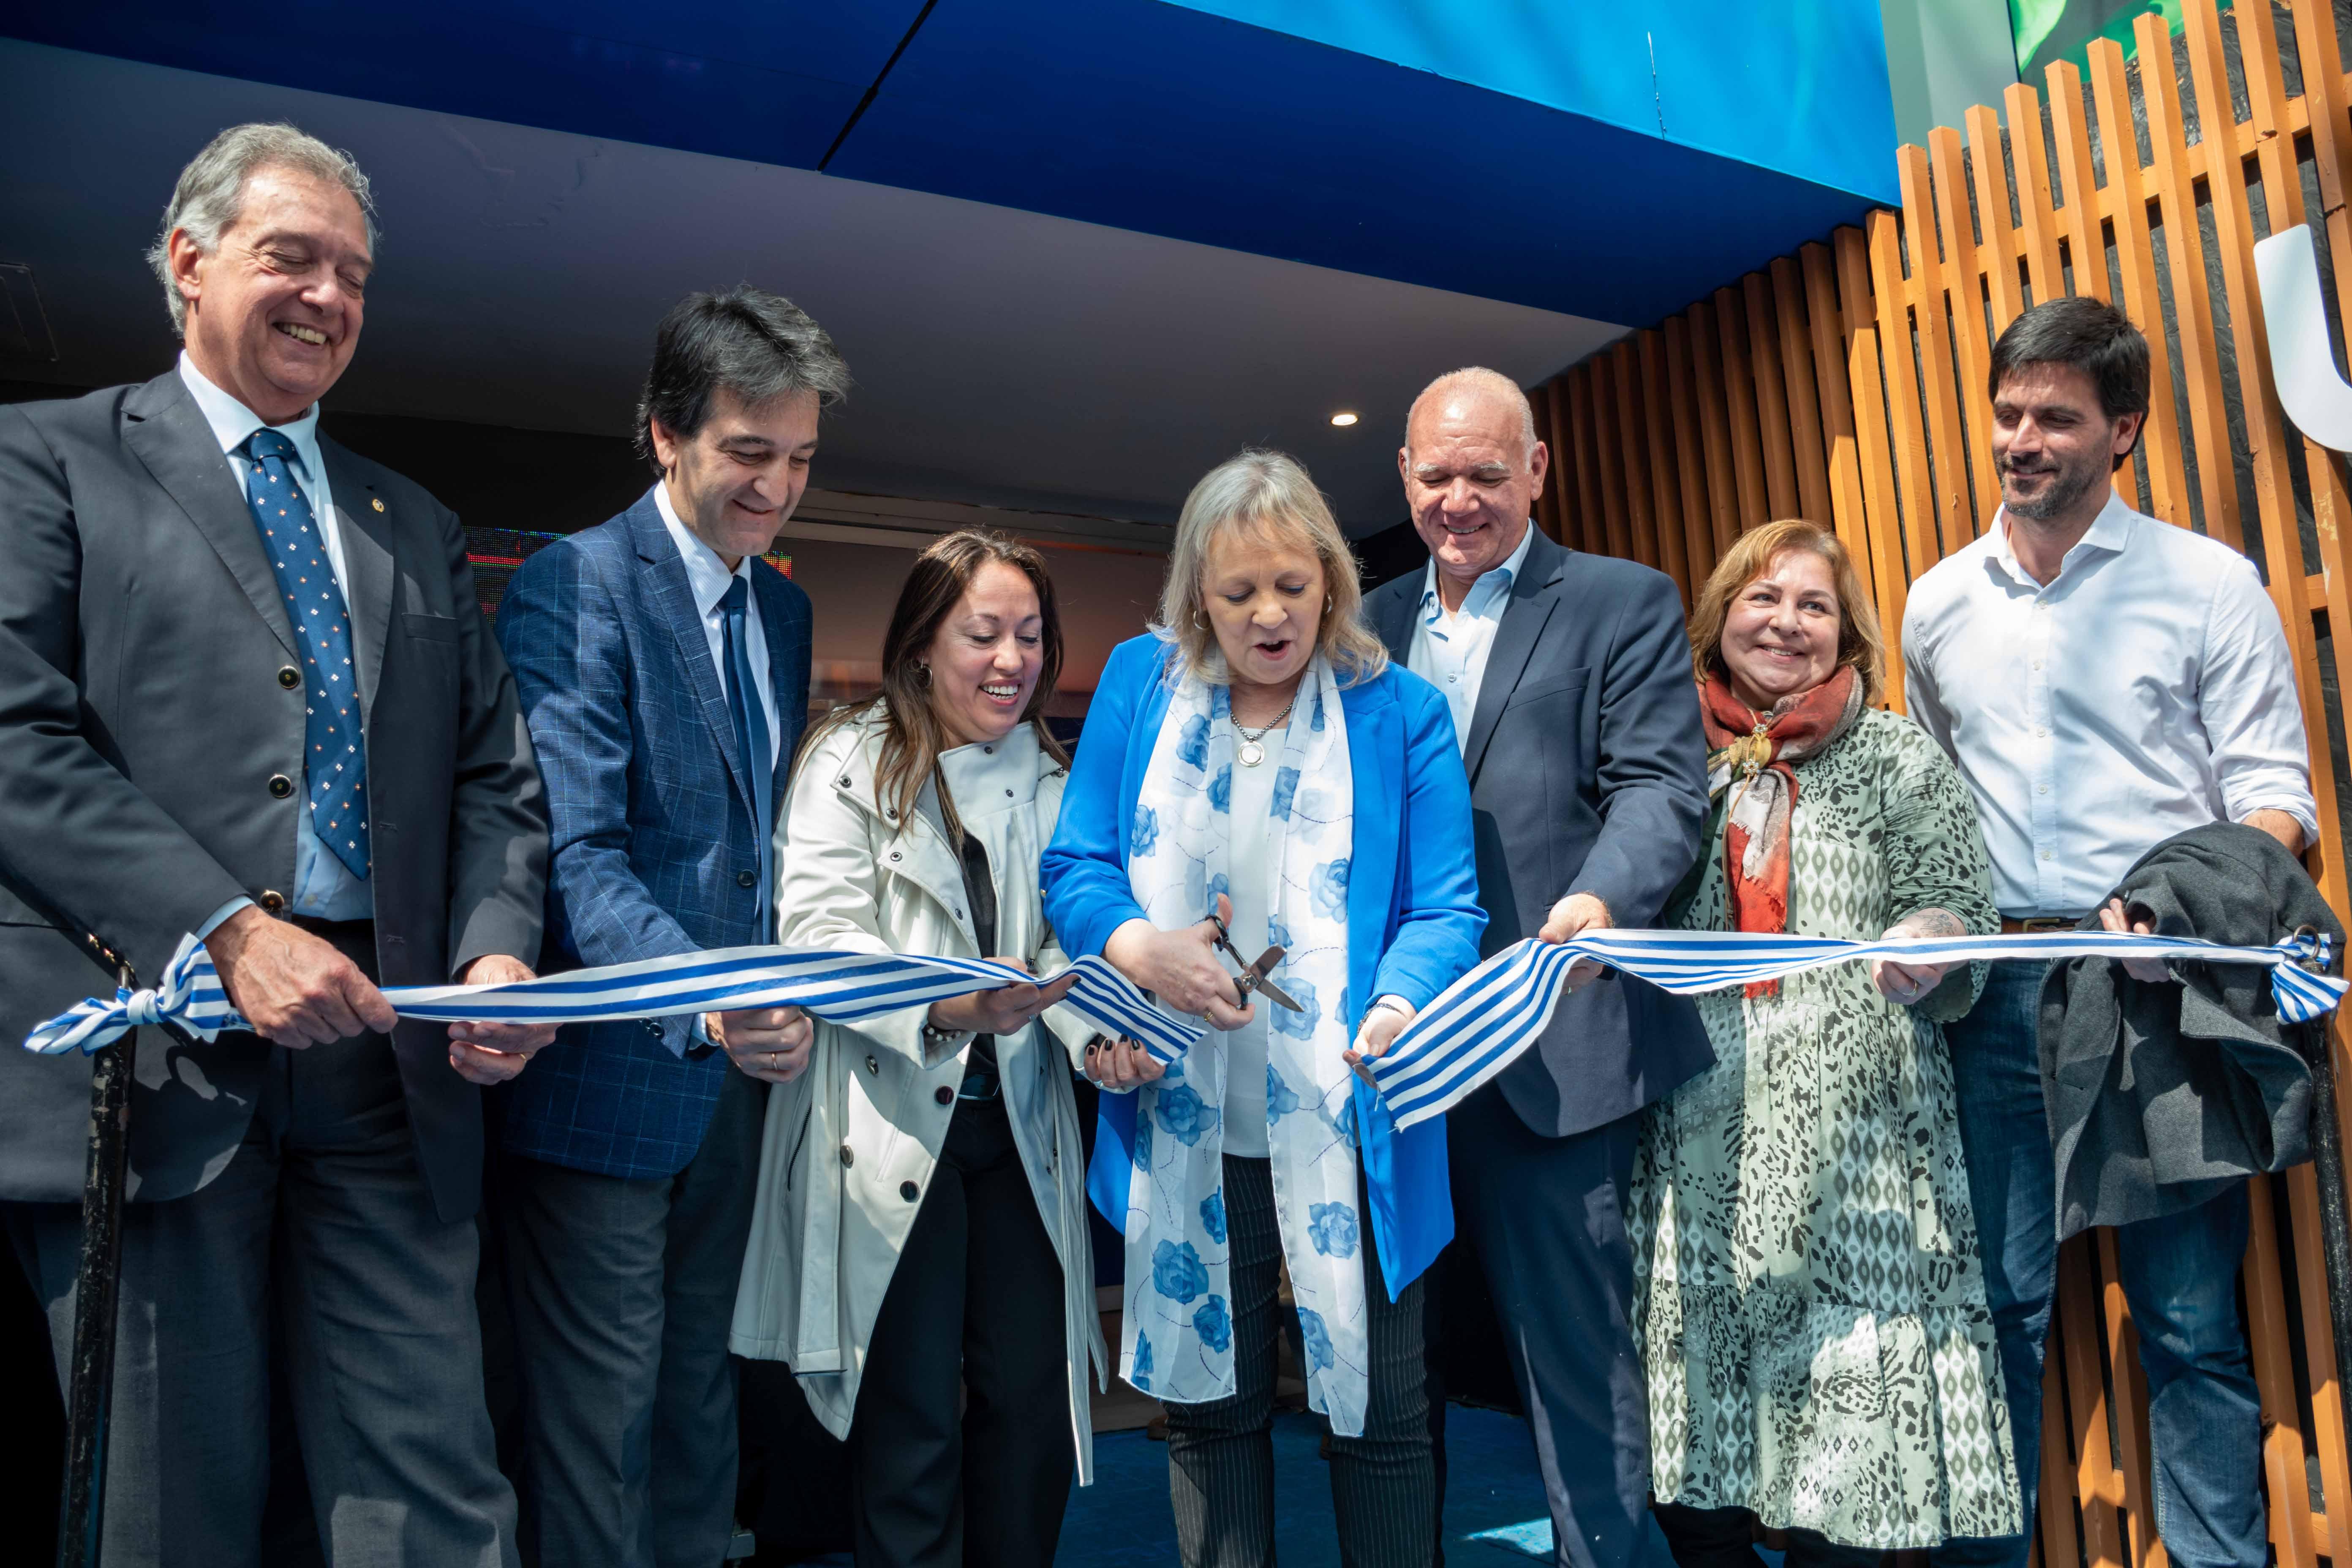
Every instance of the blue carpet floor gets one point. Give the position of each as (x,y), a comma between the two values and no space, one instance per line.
(1494,1502)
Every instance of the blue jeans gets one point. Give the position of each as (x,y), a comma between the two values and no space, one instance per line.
(2180,1274)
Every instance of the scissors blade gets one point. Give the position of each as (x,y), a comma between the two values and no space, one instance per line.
(1258,981)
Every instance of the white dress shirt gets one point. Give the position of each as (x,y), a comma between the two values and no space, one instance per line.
(1449,651)
(707,576)
(324,888)
(2146,690)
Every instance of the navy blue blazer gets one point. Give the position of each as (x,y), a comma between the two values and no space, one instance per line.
(1588,775)
(655,837)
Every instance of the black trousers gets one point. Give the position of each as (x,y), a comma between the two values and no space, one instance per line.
(1544,1217)
(972,1317)
(322,1214)
(1725,1537)
(1220,1454)
(623,1290)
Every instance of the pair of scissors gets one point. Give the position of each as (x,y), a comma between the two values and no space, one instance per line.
(1253,976)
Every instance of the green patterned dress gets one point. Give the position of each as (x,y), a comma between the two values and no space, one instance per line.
(1809,1301)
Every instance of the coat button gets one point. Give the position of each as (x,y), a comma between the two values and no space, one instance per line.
(893,854)
(746,878)
(273,902)
(909,1190)
(1008,795)
(280,786)
(288,677)
(944,1095)
(848,1155)
(872,1065)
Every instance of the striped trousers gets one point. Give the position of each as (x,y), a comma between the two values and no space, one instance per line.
(1220,1454)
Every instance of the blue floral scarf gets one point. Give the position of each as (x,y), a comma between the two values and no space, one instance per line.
(1177,1337)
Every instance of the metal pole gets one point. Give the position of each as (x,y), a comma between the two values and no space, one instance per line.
(90,1397)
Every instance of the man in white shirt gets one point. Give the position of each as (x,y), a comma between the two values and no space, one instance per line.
(664,669)
(1569,679)
(2105,681)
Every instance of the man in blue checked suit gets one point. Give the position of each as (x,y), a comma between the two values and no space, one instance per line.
(664,669)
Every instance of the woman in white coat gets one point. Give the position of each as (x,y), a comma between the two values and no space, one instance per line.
(919,1241)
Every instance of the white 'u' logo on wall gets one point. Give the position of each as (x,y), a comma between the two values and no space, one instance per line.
(2303,366)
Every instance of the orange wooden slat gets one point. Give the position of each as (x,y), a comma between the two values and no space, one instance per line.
(1641,520)
(2173,175)
(2267,1338)
(2319,1355)
(1740,405)
(2004,278)
(1914,473)
(1690,457)
(1594,531)
(1547,500)
(2167,480)
(2037,211)
(1559,477)
(1948,449)
(2095,1480)
(2069,129)
(1666,513)
(1834,401)
(1971,344)
(1609,457)
(1772,396)
(2129,1384)
(1714,424)
(1882,520)
(1802,392)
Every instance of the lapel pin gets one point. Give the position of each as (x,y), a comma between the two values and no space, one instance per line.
(378,504)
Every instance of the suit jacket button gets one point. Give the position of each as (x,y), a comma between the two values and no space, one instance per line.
(273,902)
(848,1155)
(909,1190)
(288,677)
(746,880)
(944,1095)
(872,1065)
(280,786)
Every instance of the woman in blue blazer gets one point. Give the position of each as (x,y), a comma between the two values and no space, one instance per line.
(1256,770)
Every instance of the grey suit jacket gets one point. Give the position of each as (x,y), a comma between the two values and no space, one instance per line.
(142,718)
(1588,775)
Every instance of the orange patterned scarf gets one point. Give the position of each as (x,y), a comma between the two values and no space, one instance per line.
(1751,754)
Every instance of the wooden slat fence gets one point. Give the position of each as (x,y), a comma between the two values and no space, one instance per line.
(1846,382)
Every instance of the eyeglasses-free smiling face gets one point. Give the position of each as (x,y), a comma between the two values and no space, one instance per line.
(1780,635)
(1265,604)
(735,480)
(274,309)
(987,655)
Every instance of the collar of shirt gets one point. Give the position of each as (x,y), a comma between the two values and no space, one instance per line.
(1492,586)
(2110,533)
(706,572)
(232,423)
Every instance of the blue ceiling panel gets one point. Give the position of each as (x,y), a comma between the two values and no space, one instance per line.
(1164,119)
(1528,171)
(775,83)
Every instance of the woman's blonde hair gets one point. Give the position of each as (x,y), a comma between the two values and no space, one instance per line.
(1267,497)
(1860,644)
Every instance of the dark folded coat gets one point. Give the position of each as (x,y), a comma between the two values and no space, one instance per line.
(2159,1096)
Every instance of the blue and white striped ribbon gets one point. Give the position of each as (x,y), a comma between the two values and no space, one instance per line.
(840,987)
(1478,1025)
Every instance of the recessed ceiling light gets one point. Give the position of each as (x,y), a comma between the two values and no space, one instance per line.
(1343,420)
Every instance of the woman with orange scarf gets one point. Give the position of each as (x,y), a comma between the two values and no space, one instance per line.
(1810,1305)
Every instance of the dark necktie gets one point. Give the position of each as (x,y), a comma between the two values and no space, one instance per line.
(752,740)
(334,762)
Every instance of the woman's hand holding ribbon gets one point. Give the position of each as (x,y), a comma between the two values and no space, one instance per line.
(1910,983)
(1181,967)
(1121,1065)
(1382,1023)
(1005,1011)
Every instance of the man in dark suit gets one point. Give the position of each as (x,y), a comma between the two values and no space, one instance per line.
(1571,684)
(665,669)
(246,692)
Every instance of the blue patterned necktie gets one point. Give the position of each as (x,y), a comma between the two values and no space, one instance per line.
(751,738)
(334,764)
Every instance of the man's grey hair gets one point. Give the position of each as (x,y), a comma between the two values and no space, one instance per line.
(210,197)
(1478,378)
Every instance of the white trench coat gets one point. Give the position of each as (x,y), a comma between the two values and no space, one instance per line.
(847,1138)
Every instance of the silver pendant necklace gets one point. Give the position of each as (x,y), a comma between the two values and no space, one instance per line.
(1252,751)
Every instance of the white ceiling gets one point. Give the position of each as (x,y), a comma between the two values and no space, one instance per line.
(1002,357)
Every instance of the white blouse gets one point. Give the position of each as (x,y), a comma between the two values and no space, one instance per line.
(1254,843)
